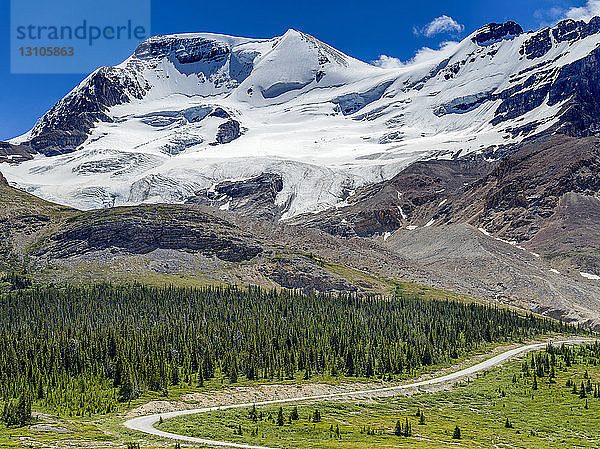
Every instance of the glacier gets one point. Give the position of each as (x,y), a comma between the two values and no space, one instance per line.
(188,111)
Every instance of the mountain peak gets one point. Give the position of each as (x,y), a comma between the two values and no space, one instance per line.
(292,32)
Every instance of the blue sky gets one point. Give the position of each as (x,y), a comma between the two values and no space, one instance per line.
(364,30)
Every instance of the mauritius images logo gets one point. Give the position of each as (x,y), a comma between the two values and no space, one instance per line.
(75,36)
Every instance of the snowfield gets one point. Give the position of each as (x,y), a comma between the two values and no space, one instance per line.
(326,122)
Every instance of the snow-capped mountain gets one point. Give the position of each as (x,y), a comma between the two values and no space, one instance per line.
(187,112)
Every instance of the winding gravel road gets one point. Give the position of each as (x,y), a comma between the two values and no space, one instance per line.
(146,423)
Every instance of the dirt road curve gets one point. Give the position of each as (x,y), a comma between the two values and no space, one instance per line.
(146,423)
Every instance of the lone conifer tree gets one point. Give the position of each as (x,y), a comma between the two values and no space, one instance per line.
(252,414)
(582,393)
(398,429)
(316,416)
(456,434)
(294,414)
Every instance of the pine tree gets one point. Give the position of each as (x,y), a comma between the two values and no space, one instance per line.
(174,374)
(316,416)
(252,414)
(294,414)
(233,374)
(398,430)
(280,420)
(456,434)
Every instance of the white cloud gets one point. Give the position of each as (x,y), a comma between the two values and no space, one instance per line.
(440,25)
(586,12)
(423,55)
(388,62)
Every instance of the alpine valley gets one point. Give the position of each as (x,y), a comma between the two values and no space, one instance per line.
(283,162)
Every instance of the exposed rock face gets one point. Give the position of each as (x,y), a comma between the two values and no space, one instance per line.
(185,50)
(577,84)
(13,154)
(496,31)
(566,30)
(254,197)
(524,191)
(295,274)
(220,113)
(67,124)
(142,229)
(3,181)
(228,131)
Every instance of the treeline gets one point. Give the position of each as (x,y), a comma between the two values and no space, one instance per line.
(81,350)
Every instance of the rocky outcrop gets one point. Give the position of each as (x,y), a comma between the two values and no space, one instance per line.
(496,31)
(142,229)
(3,181)
(184,49)
(13,154)
(302,274)
(576,85)
(253,197)
(67,124)
(228,132)
(565,31)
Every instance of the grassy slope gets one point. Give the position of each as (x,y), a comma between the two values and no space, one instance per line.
(550,417)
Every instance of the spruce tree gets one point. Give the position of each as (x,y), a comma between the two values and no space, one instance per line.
(294,414)
(316,416)
(456,434)
(398,430)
